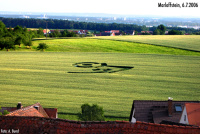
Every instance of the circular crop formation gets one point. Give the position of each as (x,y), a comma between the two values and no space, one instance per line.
(100,67)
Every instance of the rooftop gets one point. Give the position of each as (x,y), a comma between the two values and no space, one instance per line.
(157,111)
(193,113)
(32,110)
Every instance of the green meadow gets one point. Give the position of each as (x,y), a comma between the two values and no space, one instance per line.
(51,77)
(98,45)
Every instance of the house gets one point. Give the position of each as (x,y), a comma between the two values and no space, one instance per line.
(191,114)
(158,111)
(35,110)
(45,31)
(110,33)
(41,125)
(83,32)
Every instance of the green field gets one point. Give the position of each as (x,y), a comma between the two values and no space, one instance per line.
(31,77)
(190,42)
(97,45)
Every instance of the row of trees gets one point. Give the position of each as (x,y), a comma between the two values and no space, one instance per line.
(65,33)
(161,29)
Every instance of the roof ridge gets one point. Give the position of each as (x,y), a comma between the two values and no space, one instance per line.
(18,111)
(24,108)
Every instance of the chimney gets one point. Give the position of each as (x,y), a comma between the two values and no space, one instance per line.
(19,105)
(170,106)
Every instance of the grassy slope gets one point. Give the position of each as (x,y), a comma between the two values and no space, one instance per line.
(190,42)
(95,45)
(31,77)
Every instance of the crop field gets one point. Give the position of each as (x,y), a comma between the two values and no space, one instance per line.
(97,45)
(190,42)
(66,80)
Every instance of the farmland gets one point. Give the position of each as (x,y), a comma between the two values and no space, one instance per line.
(190,42)
(97,45)
(31,77)
(54,79)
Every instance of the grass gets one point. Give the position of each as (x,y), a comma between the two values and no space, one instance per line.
(31,77)
(190,42)
(96,45)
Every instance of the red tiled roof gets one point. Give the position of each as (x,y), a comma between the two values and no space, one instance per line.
(30,111)
(44,31)
(33,125)
(193,113)
(26,112)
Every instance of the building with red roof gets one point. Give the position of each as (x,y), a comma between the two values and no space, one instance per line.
(191,114)
(35,110)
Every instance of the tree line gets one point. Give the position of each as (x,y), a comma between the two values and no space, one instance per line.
(65,24)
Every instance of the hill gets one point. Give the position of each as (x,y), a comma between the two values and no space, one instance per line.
(188,42)
(97,45)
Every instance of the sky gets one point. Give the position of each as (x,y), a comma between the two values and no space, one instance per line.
(124,7)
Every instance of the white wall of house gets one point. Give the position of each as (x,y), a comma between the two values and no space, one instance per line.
(184,118)
(133,33)
(133,120)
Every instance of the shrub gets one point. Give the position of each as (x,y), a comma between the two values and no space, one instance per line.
(91,113)
(42,46)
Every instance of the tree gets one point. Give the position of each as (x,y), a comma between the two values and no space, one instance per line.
(28,43)
(42,46)
(40,32)
(156,32)
(27,40)
(136,33)
(160,30)
(2,43)
(91,113)
(18,41)
(55,33)
(9,43)
(2,28)
(18,29)
(175,32)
